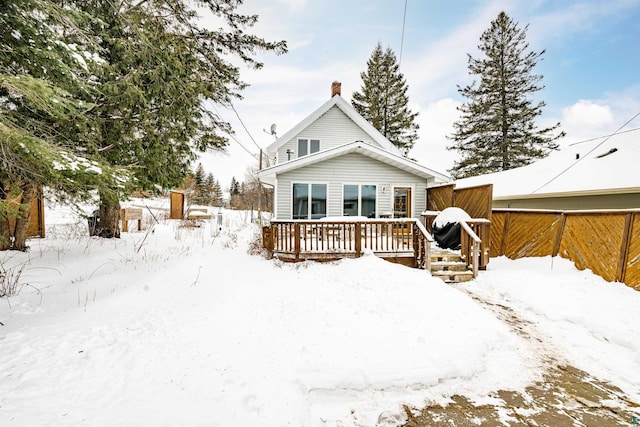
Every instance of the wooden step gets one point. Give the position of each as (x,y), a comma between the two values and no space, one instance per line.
(448,266)
(446,257)
(453,276)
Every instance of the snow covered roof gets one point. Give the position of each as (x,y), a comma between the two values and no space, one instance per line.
(268,175)
(349,111)
(604,165)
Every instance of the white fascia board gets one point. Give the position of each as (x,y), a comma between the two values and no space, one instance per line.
(360,147)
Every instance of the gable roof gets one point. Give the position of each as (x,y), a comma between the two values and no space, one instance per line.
(268,175)
(602,165)
(349,111)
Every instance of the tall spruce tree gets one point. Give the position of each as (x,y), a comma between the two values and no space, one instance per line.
(209,184)
(234,187)
(497,129)
(160,70)
(383,100)
(202,194)
(44,77)
(216,190)
(200,175)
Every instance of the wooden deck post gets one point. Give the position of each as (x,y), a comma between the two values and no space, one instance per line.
(296,240)
(358,240)
(267,238)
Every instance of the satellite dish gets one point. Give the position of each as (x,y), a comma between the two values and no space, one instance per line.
(273,129)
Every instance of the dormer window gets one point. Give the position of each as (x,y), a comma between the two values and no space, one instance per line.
(308,146)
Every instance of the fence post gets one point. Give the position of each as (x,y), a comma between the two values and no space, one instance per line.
(558,242)
(505,230)
(624,248)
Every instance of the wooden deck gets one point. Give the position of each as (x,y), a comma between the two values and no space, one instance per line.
(402,240)
(405,241)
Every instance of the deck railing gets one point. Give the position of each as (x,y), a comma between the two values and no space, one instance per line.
(470,247)
(475,241)
(325,239)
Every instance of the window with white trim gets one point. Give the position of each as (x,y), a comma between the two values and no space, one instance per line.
(309,201)
(359,200)
(308,146)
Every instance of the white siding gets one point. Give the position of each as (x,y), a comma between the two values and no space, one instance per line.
(351,168)
(333,129)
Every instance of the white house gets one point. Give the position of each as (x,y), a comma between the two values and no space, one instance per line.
(601,173)
(334,163)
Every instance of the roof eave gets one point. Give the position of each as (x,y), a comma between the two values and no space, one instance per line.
(359,147)
(598,192)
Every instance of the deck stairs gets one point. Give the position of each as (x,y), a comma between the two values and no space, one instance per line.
(450,267)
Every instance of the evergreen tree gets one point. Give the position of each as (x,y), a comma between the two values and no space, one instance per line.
(216,194)
(209,185)
(44,75)
(234,187)
(159,68)
(201,193)
(235,194)
(497,129)
(383,100)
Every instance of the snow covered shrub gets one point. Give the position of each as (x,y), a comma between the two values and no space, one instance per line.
(10,284)
(231,241)
(255,245)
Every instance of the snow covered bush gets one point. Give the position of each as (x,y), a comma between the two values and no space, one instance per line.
(10,284)
(255,245)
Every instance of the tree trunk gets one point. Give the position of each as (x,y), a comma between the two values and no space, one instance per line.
(22,221)
(108,225)
(5,234)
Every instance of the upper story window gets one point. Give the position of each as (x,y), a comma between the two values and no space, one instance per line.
(308,146)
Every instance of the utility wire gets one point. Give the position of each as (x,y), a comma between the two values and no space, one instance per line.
(588,152)
(595,139)
(404,19)
(243,147)
(233,137)
(245,128)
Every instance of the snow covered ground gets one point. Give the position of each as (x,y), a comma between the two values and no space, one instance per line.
(182,326)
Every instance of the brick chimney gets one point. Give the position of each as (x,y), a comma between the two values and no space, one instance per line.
(335,88)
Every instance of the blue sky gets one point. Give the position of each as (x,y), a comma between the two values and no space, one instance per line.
(591,67)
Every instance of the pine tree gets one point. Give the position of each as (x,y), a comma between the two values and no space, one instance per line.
(235,194)
(234,187)
(497,129)
(383,100)
(44,76)
(201,194)
(216,194)
(209,185)
(199,176)
(159,68)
